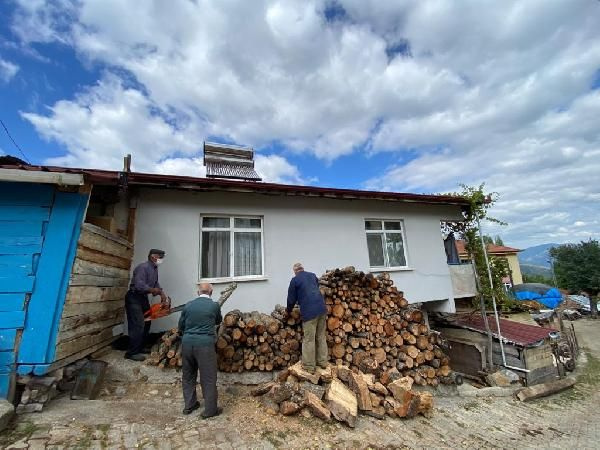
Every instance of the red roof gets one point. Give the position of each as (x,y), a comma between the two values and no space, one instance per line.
(110,177)
(491,248)
(519,333)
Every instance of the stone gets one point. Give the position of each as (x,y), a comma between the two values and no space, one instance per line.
(262,389)
(342,403)
(289,408)
(319,391)
(153,392)
(37,444)
(120,391)
(343,373)
(390,376)
(18,445)
(29,408)
(358,384)
(316,406)
(298,371)
(503,378)
(379,388)
(7,412)
(399,387)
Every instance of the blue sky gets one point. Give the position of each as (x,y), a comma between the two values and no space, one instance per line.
(405,96)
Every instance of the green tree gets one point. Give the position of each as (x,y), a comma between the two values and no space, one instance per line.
(577,269)
(468,230)
(498,240)
(536,278)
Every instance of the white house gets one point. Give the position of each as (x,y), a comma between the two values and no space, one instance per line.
(220,230)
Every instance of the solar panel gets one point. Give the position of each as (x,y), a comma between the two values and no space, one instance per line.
(229,161)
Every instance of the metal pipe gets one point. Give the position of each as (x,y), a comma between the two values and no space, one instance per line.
(489,271)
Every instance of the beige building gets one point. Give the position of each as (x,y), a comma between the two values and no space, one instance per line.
(499,251)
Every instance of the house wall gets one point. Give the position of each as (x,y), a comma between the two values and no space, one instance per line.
(321,233)
(463,280)
(515,268)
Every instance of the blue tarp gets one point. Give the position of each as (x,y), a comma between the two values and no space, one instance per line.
(546,295)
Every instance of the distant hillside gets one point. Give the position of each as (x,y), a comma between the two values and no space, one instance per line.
(536,256)
(529,269)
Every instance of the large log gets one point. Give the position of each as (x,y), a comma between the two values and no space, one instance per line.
(545,389)
(342,403)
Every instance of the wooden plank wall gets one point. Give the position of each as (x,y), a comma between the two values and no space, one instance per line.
(95,299)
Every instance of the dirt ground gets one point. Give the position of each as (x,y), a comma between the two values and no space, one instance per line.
(140,407)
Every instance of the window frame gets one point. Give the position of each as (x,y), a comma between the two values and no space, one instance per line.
(383,231)
(232,230)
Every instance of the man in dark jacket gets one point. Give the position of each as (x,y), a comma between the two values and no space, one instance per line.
(304,290)
(197,326)
(143,282)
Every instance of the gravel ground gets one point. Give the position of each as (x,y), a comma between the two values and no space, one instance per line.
(140,407)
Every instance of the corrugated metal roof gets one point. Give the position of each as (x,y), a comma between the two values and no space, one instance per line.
(519,333)
(108,177)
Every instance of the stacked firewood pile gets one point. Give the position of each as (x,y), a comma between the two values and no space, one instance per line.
(255,341)
(370,327)
(167,351)
(341,393)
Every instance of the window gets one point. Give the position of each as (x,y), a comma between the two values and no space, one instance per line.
(231,247)
(385,242)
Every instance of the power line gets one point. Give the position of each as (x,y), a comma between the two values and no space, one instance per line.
(13,141)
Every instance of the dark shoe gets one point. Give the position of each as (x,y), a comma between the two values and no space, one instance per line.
(310,370)
(137,357)
(219,412)
(146,351)
(192,409)
(324,366)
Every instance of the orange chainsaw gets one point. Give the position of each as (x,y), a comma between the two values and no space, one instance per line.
(161,309)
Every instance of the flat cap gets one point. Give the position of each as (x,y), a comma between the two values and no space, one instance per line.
(155,251)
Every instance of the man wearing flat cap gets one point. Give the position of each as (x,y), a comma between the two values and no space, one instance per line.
(143,282)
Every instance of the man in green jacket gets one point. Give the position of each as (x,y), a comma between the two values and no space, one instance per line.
(197,327)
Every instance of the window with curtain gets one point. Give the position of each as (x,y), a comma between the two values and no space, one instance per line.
(231,247)
(385,243)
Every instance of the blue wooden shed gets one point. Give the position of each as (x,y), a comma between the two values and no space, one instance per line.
(40,222)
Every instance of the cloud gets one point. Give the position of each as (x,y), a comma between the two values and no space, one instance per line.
(7,70)
(460,93)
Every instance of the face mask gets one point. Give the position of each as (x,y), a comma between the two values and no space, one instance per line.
(159,261)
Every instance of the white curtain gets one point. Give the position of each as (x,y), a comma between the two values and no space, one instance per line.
(247,254)
(215,254)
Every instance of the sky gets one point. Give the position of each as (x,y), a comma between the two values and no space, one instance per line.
(408,96)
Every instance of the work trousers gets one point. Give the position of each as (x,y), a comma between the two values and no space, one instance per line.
(204,359)
(314,343)
(136,304)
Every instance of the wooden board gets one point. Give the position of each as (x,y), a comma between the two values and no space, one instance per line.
(89,294)
(79,355)
(78,309)
(68,323)
(88,227)
(99,243)
(90,328)
(93,280)
(81,267)
(67,348)
(95,256)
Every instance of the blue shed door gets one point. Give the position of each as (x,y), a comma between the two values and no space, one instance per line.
(39,228)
